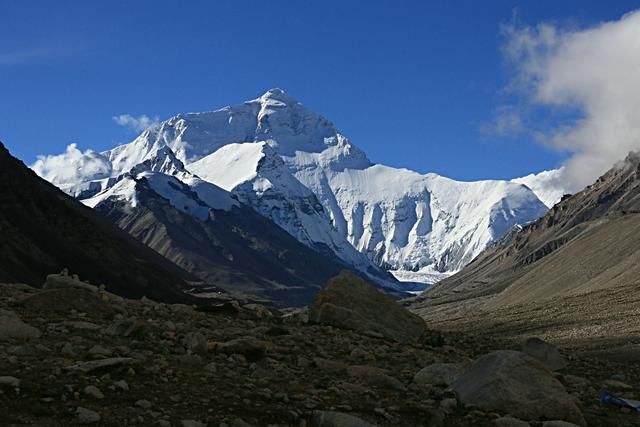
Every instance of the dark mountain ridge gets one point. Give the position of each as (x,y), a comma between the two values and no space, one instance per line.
(44,230)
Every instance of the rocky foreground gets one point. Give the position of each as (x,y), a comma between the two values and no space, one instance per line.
(73,354)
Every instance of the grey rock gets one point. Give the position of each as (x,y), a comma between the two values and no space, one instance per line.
(9,382)
(192,423)
(98,350)
(68,349)
(510,422)
(121,385)
(124,327)
(375,377)
(546,353)
(557,423)
(195,342)
(62,281)
(144,404)
(251,348)
(78,324)
(337,419)
(93,391)
(439,374)
(87,416)
(512,382)
(351,303)
(12,327)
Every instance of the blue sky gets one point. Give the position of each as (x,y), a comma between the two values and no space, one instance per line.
(413,83)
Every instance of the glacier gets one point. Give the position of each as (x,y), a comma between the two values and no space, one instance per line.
(296,168)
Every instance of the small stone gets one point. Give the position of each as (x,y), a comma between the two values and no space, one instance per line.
(68,349)
(196,343)
(93,391)
(98,350)
(87,416)
(192,423)
(170,326)
(121,385)
(144,404)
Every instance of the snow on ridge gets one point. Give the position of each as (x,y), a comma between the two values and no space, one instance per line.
(230,165)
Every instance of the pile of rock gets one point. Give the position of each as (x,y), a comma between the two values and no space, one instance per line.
(72,355)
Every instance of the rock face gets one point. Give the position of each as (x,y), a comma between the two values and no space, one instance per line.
(512,382)
(545,353)
(351,303)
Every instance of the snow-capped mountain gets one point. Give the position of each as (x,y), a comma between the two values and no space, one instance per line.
(208,232)
(296,168)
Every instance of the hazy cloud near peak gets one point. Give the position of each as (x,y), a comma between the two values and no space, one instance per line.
(138,124)
(72,166)
(593,71)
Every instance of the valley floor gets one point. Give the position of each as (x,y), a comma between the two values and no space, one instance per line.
(145,363)
(605,323)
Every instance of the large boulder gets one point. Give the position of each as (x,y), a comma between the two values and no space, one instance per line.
(514,383)
(12,327)
(351,303)
(63,281)
(546,353)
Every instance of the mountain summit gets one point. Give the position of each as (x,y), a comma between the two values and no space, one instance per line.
(296,168)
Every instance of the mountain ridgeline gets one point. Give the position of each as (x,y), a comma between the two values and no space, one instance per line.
(295,168)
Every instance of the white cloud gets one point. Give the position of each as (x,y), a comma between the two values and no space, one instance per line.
(593,72)
(72,166)
(138,124)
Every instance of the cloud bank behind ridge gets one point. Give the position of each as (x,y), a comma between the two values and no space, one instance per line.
(592,72)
